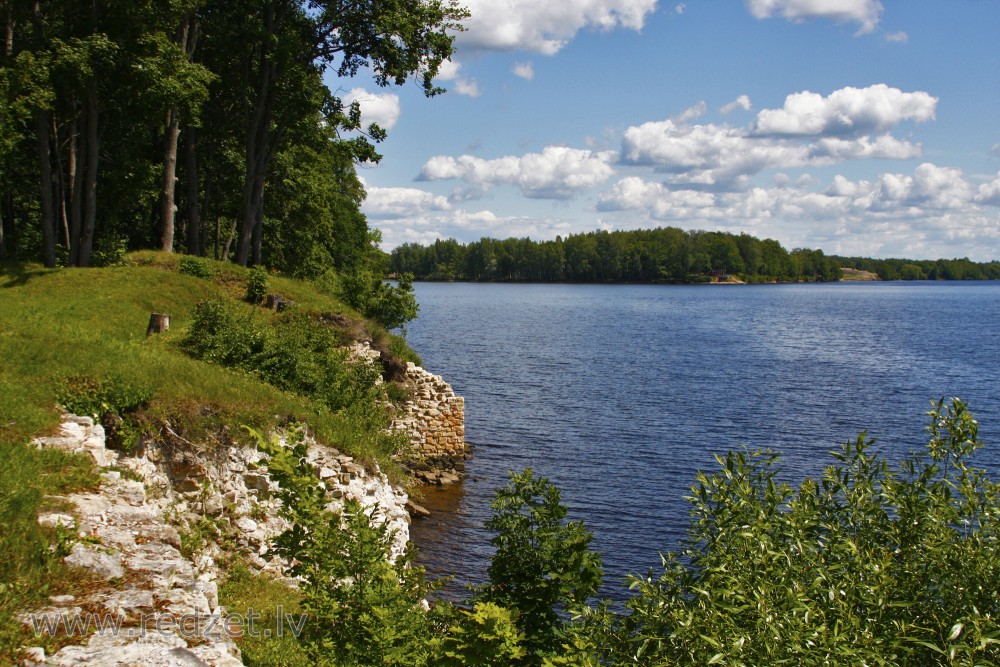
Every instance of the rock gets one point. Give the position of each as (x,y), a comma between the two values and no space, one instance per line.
(417,510)
(246,524)
(104,565)
(55,520)
(62,600)
(127,602)
(33,656)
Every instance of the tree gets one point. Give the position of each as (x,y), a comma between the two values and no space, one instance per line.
(543,565)
(288,39)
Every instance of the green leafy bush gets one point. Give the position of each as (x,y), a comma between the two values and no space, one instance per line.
(362,608)
(295,353)
(258,285)
(113,400)
(867,565)
(391,306)
(194,266)
(543,566)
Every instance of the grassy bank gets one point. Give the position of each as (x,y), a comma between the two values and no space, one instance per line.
(64,331)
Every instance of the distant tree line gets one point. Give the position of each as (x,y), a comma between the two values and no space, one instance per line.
(924,269)
(663,255)
(201,126)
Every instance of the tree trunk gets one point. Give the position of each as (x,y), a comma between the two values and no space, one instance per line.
(86,242)
(186,39)
(193,213)
(76,194)
(8,240)
(168,208)
(257,140)
(45,189)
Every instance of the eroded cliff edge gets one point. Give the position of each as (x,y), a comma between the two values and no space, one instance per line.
(164,517)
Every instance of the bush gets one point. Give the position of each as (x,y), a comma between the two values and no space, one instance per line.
(258,285)
(296,353)
(390,306)
(543,566)
(362,608)
(112,400)
(868,565)
(194,266)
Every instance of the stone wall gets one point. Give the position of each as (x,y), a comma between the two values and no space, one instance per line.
(434,420)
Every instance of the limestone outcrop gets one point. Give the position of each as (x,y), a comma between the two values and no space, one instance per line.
(148,534)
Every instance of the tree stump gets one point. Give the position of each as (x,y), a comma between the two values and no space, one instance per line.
(158,323)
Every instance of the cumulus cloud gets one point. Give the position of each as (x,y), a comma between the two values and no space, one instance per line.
(679,8)
(897,37)
(995,151)
(401,202)
(451,71)
(545,27)
(524,70)
(381,108)
(933,211)
(866,13)
(848,111)
(555,173)
(741,102)
(809,130)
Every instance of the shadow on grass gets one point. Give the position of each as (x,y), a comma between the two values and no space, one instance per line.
(14,274)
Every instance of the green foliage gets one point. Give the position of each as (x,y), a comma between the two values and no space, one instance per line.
(294,352)
(867,565)
(363,607)
(112,400)
(194,266)
(390,306)
(485,635)
(258,285)
(542,566)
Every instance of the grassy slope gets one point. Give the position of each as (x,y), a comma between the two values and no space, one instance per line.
(57,324)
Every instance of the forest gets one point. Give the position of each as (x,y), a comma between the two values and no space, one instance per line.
(662,255)
(201,126)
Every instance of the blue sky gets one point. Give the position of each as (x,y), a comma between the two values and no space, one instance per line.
(858,127)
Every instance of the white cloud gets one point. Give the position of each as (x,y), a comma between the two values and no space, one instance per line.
(468,87)
(555,173)
(897,37)
(848,111)
(741,102)
(866,13)
(401,202)
(545,27)
(810,130)
(381,108)
(451,71)
(933,212)
(679,8)
(524,70)
(696,111)
(989,193)
(995,151)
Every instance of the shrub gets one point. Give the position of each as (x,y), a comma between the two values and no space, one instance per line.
(113,400)
(362,608)
(194,266)
(221,334)
(543,566)
(867,565)
(258,285)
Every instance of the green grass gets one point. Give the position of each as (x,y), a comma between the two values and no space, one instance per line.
(243,592)
(57,326)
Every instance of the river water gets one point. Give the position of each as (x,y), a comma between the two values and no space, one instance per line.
(621,393)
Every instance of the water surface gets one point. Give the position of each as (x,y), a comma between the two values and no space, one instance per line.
(621,393)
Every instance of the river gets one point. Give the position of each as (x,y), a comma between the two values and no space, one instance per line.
(621,393)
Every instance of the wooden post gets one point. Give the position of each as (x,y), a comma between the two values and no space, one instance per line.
(158,323)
